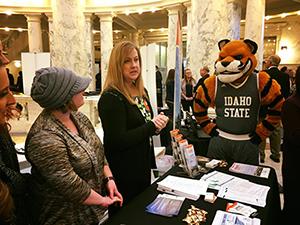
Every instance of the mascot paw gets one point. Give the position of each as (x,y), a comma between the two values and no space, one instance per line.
(214,132)
(255,138)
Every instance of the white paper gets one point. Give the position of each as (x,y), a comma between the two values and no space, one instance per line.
(185,187)
(244,191)
(226,218)
(216,179)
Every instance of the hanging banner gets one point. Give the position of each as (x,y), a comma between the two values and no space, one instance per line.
(177,80)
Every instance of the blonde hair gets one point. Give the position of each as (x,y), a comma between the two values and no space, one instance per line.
(114,78)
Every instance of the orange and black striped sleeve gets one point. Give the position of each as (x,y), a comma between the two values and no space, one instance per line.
(272,98)
(204,98)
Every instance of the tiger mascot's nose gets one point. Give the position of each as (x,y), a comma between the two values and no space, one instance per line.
(225,63)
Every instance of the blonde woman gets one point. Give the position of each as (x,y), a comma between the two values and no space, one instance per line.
(128,122)
(187,86)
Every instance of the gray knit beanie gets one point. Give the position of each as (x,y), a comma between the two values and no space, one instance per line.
(52,87)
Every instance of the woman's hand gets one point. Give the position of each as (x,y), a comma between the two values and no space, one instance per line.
(113,192)
(160,121)
(106,201)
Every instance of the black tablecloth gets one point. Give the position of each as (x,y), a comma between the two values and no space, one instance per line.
(134,213)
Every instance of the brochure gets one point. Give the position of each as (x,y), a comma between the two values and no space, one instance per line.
(226,218)
(253,170)
(165,205)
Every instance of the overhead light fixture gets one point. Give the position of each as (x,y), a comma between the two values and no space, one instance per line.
(8,12)
(17,63)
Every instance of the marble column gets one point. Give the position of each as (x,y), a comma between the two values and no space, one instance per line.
(135,38)
(188,30)
(172,30)
(69,36)
(90,49)
(208,27)
(254,26)
(234,18)
(50,25)
(106,42)
(34,32)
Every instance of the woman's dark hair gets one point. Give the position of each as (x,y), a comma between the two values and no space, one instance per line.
(171,74)
(297,78)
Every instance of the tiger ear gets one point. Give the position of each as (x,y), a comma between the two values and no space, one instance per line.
(222,43)
(252,45)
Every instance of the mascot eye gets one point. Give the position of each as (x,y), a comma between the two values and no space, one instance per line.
(221,57)
(238,57)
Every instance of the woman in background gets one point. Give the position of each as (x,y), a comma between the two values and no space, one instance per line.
(187,94)
(128,122)
(170,92)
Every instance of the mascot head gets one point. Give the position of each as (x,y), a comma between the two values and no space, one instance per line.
(236,60)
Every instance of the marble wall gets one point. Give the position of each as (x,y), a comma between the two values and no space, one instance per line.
(68,44)
(208,26)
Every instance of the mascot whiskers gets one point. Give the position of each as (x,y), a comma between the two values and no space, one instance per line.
(236,92)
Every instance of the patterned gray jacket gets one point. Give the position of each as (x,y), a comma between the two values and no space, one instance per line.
(65,167)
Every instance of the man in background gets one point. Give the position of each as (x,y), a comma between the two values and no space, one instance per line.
(282,79)
(204,73)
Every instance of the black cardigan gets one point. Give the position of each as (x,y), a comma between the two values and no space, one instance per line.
(127,143)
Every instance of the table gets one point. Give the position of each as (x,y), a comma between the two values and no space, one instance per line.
(134,212)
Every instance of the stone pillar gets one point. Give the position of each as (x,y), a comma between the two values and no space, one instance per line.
(254,26)
(188,30)
(50,25)
(90,49)
(208,27)
(34,32)
(172,30)
(234,18)
(69,36)
(135,38)
(106,43)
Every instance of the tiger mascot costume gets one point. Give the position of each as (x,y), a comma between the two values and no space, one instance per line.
(237,92)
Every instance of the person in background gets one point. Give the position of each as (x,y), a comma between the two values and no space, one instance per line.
(13,184)
(11,80)
(170,92)
(98,81)
(282,79)
(204,73)
(71,179)
(20,87)
(128,123)
(187,93)
(291,154)
(158,87)
(291,74)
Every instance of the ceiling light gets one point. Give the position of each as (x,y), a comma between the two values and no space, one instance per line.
(8,12)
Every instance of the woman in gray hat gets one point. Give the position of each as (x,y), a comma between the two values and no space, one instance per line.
(69,168)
